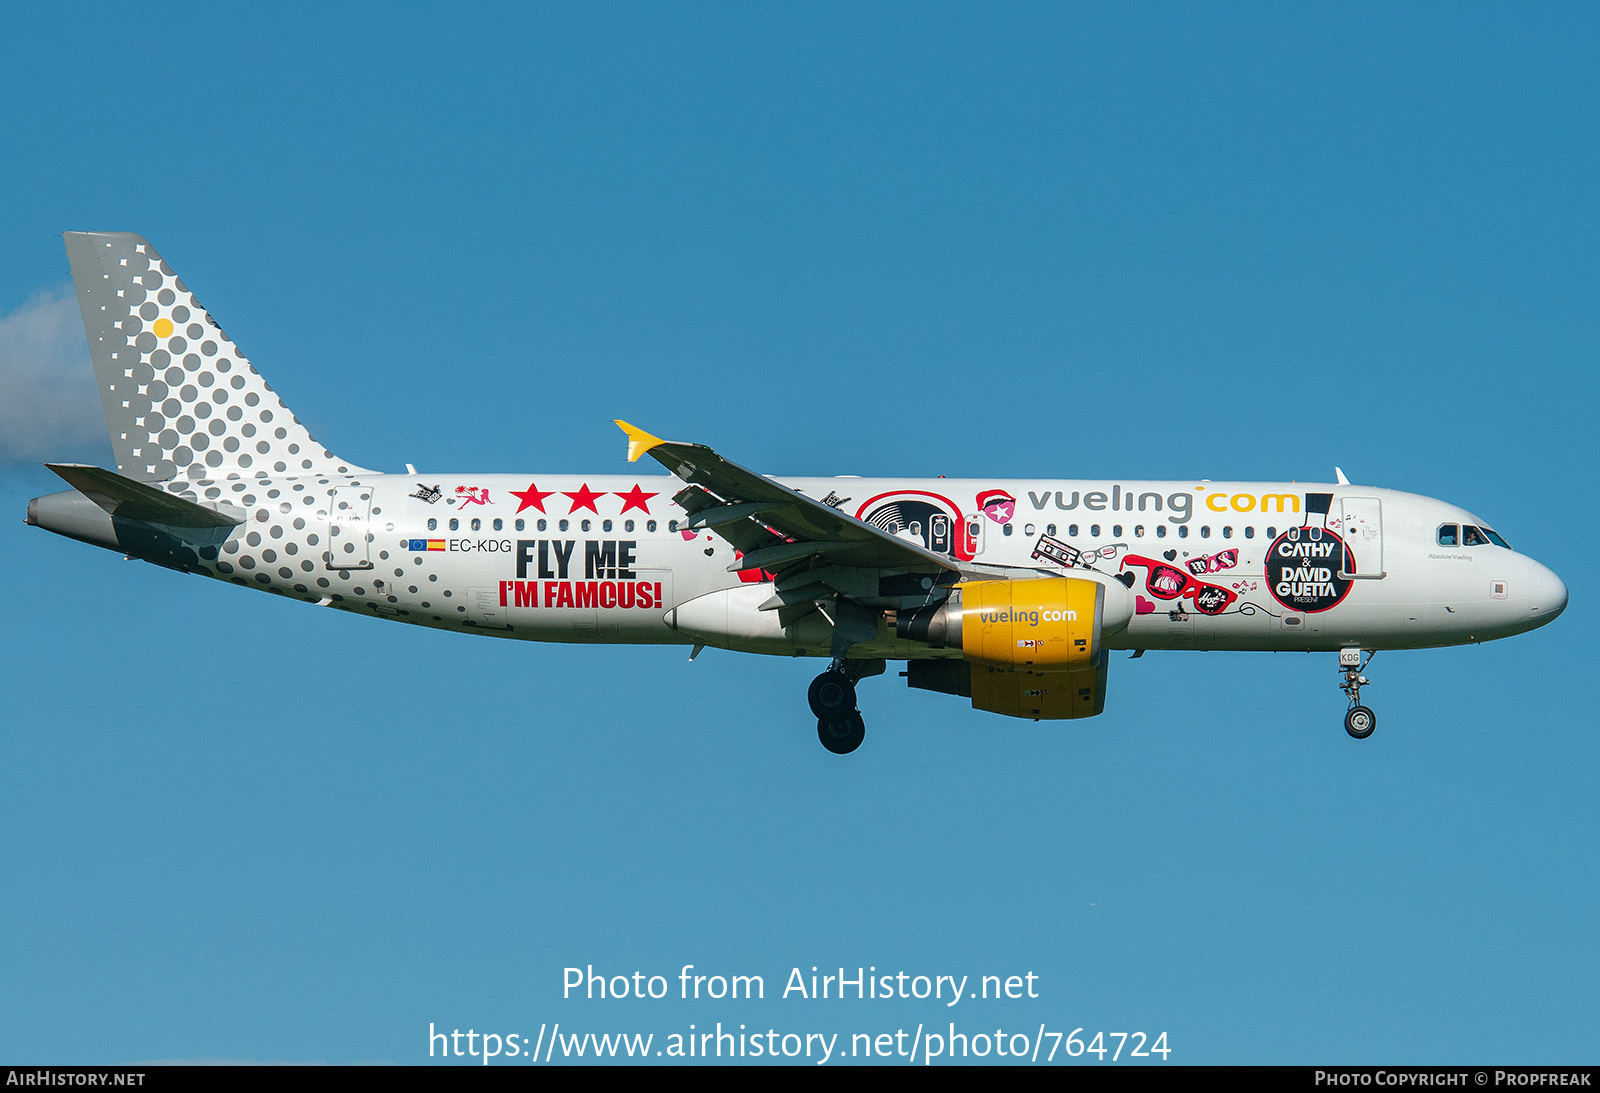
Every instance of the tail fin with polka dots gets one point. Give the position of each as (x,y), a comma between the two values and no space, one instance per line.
(181,402)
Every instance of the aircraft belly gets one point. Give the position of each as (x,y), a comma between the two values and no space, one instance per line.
(730,618)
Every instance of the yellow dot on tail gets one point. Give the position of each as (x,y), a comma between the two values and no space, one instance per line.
(163,327)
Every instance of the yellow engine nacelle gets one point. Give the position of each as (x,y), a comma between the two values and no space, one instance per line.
(1052,624)
(1042,696)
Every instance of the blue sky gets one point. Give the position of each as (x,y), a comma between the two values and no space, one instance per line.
(1235,242)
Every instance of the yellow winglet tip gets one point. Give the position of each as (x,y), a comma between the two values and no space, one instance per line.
(639,441)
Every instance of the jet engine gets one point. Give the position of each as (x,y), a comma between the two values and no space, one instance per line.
(1031,648)
(1049,624)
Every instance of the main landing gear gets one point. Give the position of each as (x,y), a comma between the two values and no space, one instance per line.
(833,699)
(1359,721)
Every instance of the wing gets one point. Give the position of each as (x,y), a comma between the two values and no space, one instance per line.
(817,553)
(773,525)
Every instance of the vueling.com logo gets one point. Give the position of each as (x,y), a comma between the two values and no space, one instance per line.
(1032,618)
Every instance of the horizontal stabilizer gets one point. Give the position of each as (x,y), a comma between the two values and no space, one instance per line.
(132,500)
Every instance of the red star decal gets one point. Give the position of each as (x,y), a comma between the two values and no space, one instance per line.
(636,498)
(532,497)
(584,499)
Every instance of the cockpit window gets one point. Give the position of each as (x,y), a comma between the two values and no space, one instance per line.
(1471,536)
(1495,538)
(1447,535)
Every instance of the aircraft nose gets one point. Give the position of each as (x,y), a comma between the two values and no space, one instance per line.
(1547,594)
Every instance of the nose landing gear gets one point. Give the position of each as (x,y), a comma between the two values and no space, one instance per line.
(1359,721)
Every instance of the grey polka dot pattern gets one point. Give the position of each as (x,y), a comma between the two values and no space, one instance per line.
(183,403)
(189,413)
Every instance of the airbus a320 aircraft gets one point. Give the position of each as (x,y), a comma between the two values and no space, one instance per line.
(1011,593)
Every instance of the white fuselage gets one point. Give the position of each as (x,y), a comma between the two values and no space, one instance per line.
(601,558)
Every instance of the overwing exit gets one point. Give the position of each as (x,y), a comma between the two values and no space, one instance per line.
(1009,593)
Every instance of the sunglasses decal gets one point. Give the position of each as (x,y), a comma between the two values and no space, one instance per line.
(1168,582)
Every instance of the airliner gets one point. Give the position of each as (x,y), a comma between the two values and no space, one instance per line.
(1011,593)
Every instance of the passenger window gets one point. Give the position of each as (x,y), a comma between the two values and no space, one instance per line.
(1007,529)
(1205,532)
(1471,536)
(1183,531)
(1049,529)
(455,525)
(498,523)
(1072,531)
(433,524)
(1272,533)
(1116,531)
(543,524)
(627,525)
(650,525)
(521,524)
(1094,531)
(1138,531)
(1227,532)
(606,526)
(1250,532)
(1447,535)
(477,524)
(1028,531)
(1161,531)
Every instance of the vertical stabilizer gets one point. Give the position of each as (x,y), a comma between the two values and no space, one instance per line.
(181,401)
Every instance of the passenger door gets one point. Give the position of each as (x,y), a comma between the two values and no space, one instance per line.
(1361,527)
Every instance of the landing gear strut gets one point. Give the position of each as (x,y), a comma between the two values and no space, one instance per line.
(833,700)
(1359,721)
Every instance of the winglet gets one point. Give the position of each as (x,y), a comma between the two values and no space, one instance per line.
(639,441)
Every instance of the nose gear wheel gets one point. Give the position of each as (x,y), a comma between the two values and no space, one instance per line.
(1359,721)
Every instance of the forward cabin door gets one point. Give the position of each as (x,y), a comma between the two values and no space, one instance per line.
(1361,526)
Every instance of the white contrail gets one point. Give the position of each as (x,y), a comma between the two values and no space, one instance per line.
(48,405)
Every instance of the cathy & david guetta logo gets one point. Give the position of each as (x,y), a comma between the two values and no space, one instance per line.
(1304,566)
